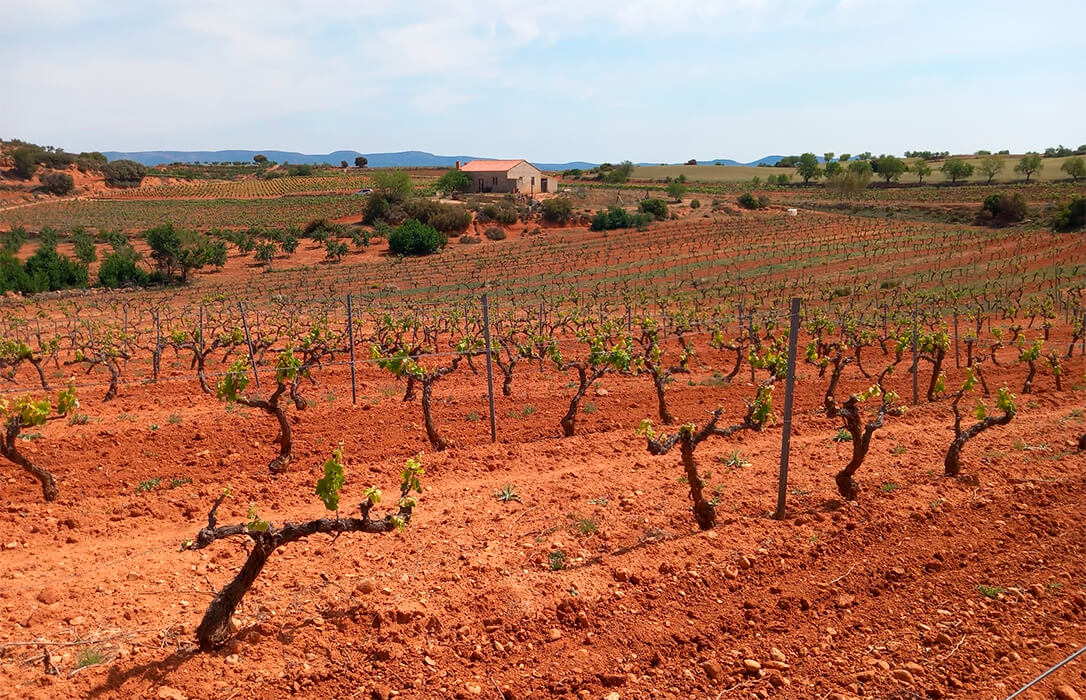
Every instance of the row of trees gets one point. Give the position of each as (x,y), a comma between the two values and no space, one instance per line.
(891,168)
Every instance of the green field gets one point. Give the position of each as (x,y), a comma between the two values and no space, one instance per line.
(1050,170)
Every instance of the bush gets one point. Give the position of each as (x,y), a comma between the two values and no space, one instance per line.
(318,225)
(1071,215)
(454,181)
(557,210)
(415,238)
(300,170)
(121,269)
(695,204)
(1000,209)
(495,233)
(617,217)
(124,173)
(393,185)
(449,218)
(26,161)
(749,201)
(49,270)
(655,207)
(83,243)
(58,183)
(470,239)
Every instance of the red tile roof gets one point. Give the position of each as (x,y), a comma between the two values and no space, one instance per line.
(490,166)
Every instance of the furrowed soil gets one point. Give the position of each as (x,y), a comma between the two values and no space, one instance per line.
(924,587)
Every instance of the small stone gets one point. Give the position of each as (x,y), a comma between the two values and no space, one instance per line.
(846,600)
(366,586)
(744,563)
(168,693)
(712,669)
(49,595)
(380,692)
(914,668)
(611,696)
(232,659)
(751,666)
(1066,692)
(555,634)
(428,661)
(942,639)
(133,575)
(902,675)
(473,688)
(777,655)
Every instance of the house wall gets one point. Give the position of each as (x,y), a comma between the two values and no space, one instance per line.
(518,178)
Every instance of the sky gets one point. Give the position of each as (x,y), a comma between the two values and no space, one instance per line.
(550,81)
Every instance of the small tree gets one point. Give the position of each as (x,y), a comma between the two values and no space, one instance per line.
(676,189)
(889,167)
(260,159)
(991,166)
(214,629)
(454,180)
(1075,167)
(25,412)
(957,169)
(1029,164)
(124,173)
(808,168)
(921,169)
(1004,402)
(361,162)
(393,186)
(656,207)
(557,210)
(265,254)
(415,238)
(58,183)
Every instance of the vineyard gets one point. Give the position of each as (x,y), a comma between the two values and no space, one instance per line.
(121,214)
(579,436)
(248,189)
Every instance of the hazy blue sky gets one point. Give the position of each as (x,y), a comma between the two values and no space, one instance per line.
(549,80)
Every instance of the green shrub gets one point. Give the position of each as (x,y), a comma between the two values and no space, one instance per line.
(58,183)
(83,243)
(124,173)
(470,239)
(655,207)
(695,204)
(121,269)
(449,218)
(415,238)
(617,217)
(14,239)
(50,271)
(1001,208)
(300,170)
(1071,215)
(318,225)
(557,210)
(26,161)
(495,233)
(749,201)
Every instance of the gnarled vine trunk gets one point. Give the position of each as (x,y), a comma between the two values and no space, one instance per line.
(11,453)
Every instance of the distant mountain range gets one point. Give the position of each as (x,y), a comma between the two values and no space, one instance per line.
(399,159)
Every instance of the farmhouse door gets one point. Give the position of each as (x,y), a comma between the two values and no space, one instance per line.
(542,184)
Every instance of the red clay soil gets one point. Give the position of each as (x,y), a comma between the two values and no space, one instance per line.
(924,587)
